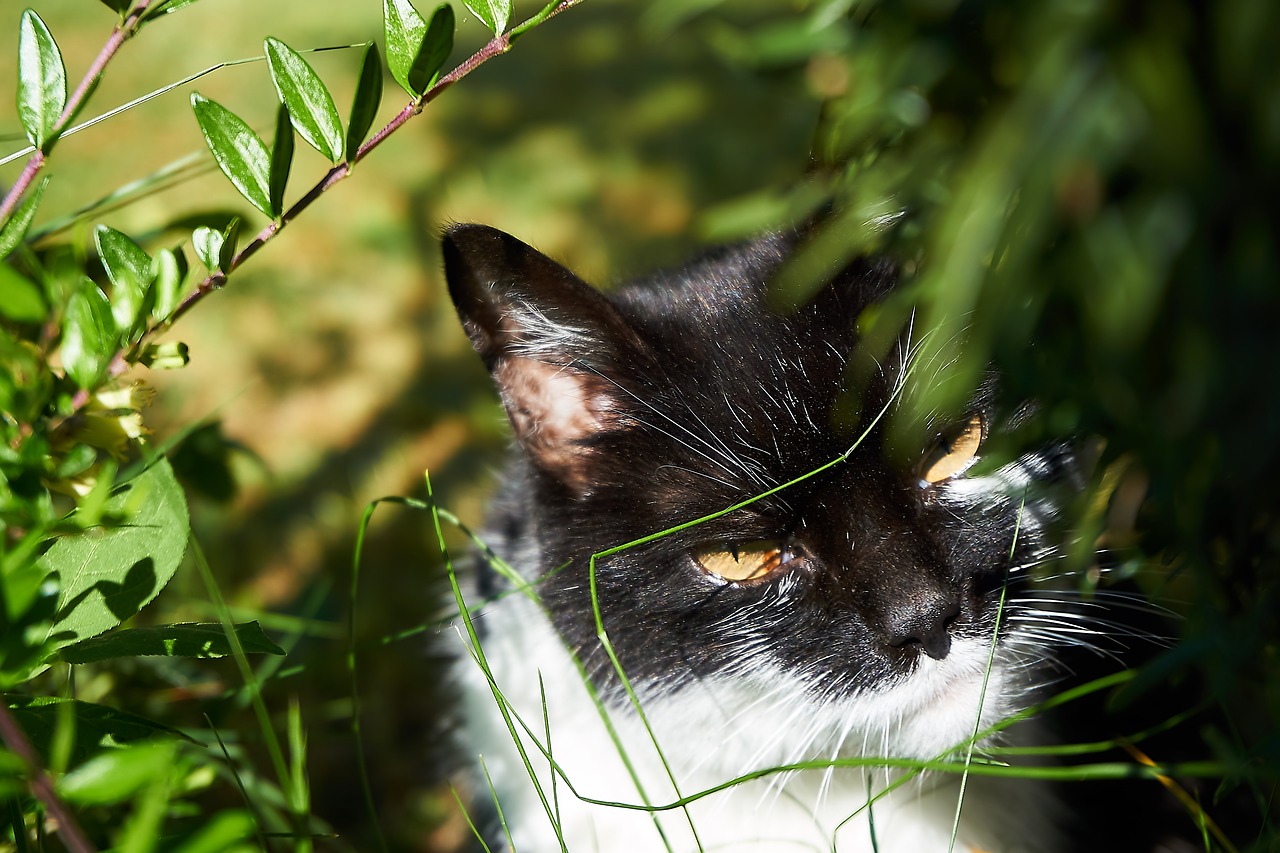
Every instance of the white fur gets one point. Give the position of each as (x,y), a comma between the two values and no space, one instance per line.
(711,732)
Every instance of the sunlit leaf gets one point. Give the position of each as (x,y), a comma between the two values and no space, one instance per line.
(281,159)
(42,80)
(167,6)
(129,269)
(493,13)
(114,775)
(368,97)
(309,102)
(208,245)
(240,153)
(109,575)
(404,29)
(434,50)
(191,640)
(89,335)
(20,221)
(169,269)
(20,298)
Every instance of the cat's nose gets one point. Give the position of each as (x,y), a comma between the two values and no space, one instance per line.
(924,623)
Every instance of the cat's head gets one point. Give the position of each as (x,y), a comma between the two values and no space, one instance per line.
(862,579)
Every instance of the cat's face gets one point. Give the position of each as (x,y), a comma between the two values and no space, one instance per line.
(873,588)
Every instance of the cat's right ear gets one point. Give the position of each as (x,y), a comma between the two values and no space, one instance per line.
(553,345)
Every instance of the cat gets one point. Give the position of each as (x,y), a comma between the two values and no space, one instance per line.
(843,609)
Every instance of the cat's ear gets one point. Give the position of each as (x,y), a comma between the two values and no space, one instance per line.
(552,343)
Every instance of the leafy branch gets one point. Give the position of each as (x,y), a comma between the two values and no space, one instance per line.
(409,65)
(43,105)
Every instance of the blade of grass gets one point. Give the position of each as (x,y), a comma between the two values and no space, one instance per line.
(254,686)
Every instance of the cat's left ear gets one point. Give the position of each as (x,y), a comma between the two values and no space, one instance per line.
(553,345)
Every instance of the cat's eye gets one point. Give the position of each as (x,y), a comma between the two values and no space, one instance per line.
(954,451)
(744,562)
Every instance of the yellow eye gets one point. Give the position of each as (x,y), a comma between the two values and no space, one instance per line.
(954,451)
(751,561)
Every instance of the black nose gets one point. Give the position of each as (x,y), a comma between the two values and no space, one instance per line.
(924,622)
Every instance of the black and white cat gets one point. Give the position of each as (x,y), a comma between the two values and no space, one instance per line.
(845,608)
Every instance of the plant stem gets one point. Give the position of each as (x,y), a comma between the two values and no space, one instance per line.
(121,33)
(41,785)
(495,47)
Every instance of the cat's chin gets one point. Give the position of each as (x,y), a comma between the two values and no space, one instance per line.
(771,718)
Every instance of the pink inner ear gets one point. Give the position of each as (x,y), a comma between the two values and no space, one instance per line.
(551,408)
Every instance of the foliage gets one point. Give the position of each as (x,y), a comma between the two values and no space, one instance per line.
(1081,194)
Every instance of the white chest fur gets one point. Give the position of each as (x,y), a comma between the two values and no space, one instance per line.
(711,734)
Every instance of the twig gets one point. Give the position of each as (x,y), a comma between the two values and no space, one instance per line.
(41,785)
(495,47)
(119,35)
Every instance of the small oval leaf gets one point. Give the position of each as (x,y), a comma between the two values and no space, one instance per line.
(309,102)
(494,13)
(281,160)
(368,97)
(16,228)
(404,29)
(208,245)
(168,268)
(434,50)
(88,335)
(42,81)
(240,153)
(230,241)
(129,269)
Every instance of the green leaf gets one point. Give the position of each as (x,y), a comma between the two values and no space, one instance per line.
(281,160)
(20,298)
(230,241)
(169,268)
(165,7)
(404,29)
(42,81)
(309,102)
(109,575)
(97,727)
(240,153)
(208,245)
(129,268)
(434,50)
(494,13)
(189,640)
(120,6)
(20,220)
(89,335)
(114,775)
(368,97)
